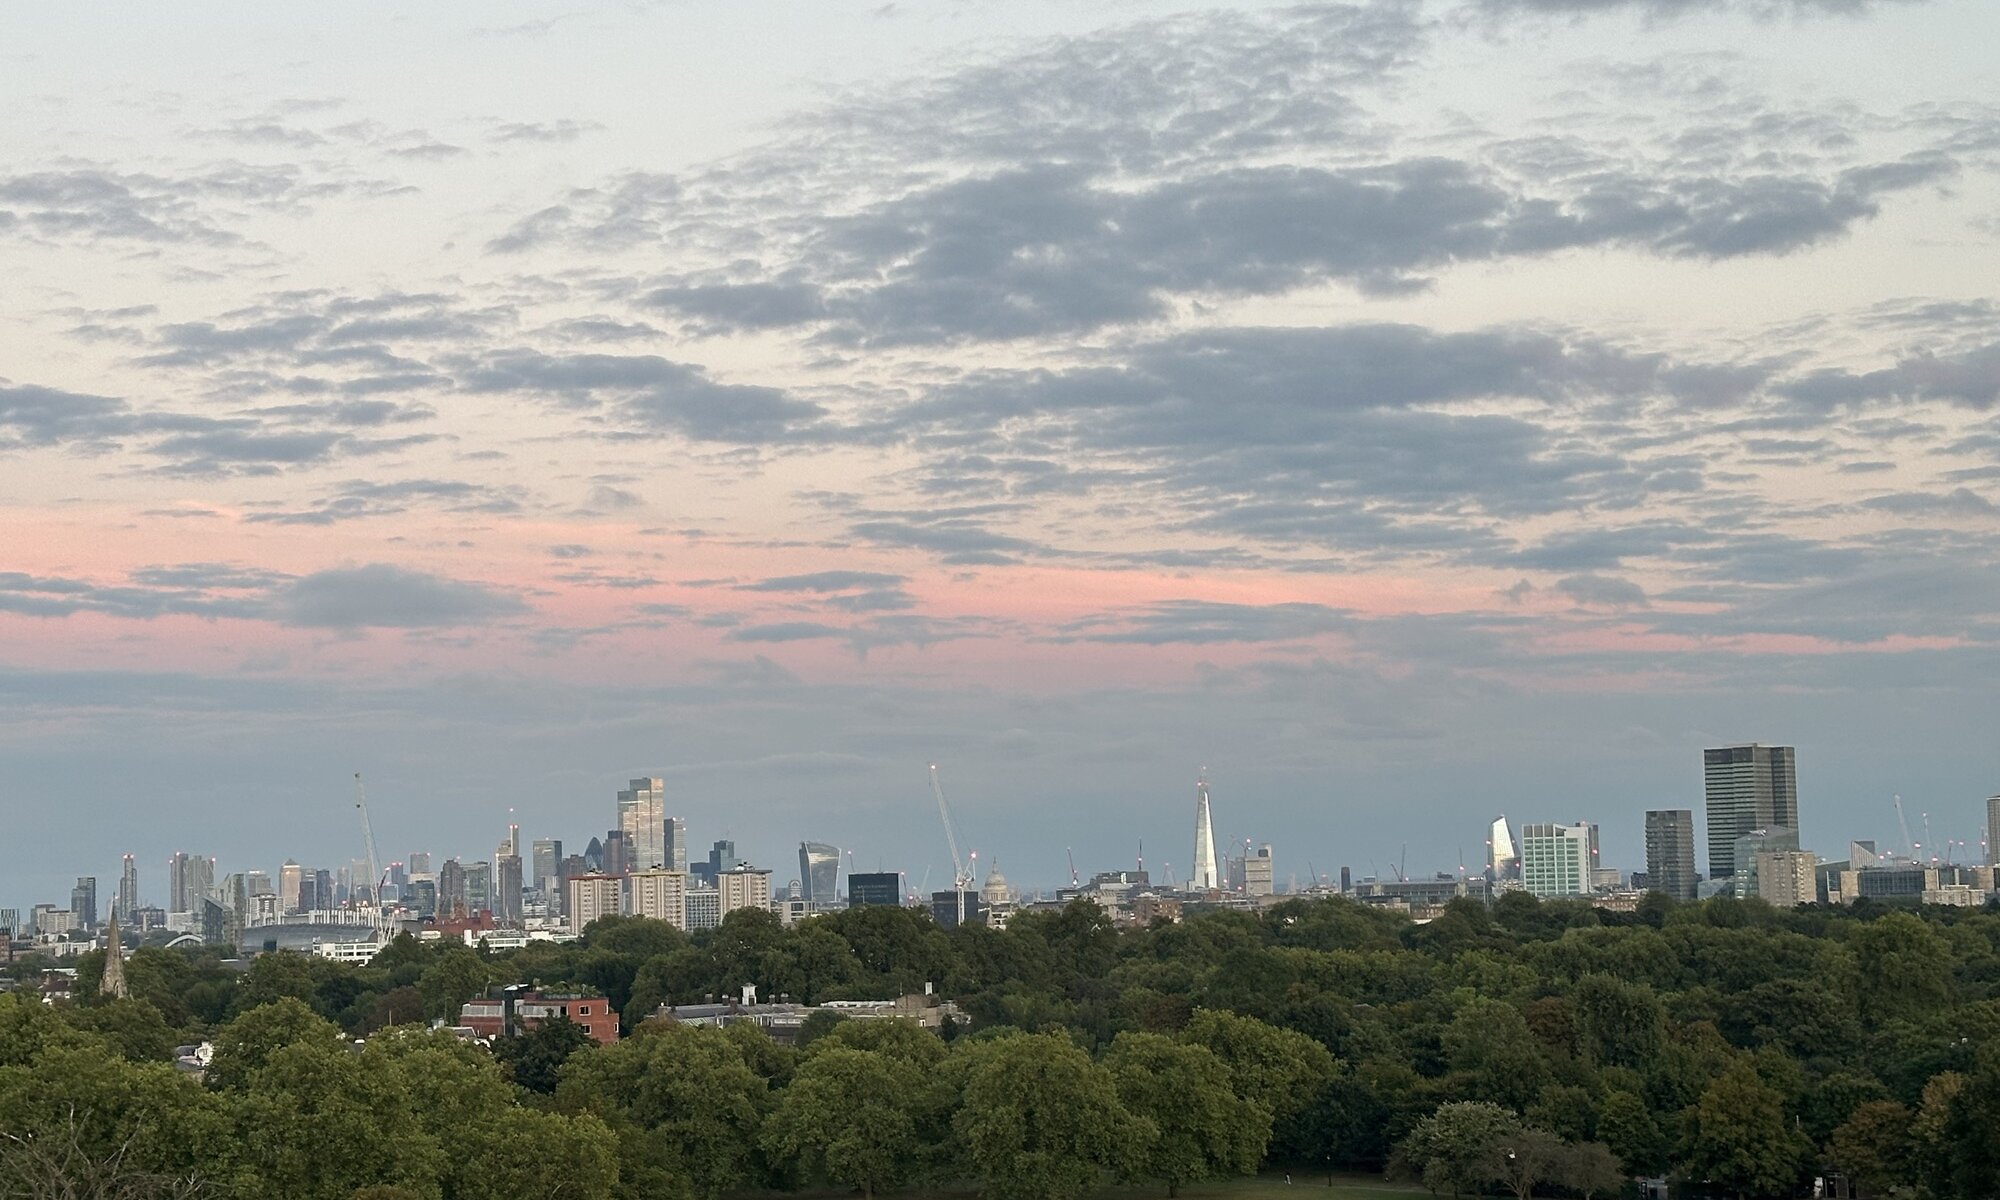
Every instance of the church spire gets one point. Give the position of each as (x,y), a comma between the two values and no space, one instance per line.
(113,983)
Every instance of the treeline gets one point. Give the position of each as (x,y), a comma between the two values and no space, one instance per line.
(1525,1047)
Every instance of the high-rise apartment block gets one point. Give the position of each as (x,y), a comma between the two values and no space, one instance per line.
(1748,787)
(658,894)
(1993,831)
(1257,871)
(592,896)
(744,887)
(1670,862)
(1556,860)
(642,819)
(1787,878)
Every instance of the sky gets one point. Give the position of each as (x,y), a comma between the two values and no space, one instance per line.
(1407,411)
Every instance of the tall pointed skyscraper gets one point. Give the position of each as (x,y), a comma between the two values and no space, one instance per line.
(1204,876)
(1501,860)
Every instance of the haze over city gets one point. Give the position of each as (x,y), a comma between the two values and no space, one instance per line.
(1409,412)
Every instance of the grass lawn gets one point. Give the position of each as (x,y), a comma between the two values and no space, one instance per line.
(1260,1187)
(1273,1187)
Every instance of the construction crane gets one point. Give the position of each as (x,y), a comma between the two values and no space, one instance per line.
(1927,838)
(368,844)
(961,872)
(1074,881)
(1909,842)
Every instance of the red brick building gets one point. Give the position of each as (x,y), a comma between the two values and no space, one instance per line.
(488,1016)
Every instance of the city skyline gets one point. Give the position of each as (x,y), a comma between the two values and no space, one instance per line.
(1413,410)
(1539,855)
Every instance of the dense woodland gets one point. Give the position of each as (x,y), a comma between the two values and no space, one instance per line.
(1522,1049)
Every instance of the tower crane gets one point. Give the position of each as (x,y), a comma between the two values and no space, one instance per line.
(1908,841)
(961,872)
(368,844)
(1074,879)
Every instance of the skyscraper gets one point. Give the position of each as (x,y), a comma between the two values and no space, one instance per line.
(125,905)
(288,886)
(479,887)
(819,871)
(507,888)
(1993,831)
(451,888)
(83,901)
(677,844)
(874,887)
(547,864)
(1670,852)
(190,879)
(1555,859)
(1748,787)
(420,862)
(642,818)
(1501,860)
(1205,875)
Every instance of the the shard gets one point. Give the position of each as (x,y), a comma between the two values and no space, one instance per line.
(1204,876)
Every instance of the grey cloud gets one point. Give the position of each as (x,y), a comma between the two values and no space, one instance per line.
(1969,378)
(360,498)
(379,595)
(1602,591)
(1679,8)
(647,393)
(1054,249)
(824,581)
(562,130)
(1204,622)
(956,541)
(91,203)
(42,416)
(871,634)
(1349,435)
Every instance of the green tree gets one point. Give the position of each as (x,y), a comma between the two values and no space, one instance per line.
(1589,1168)
(243,1046)
(1970,1134)
(685,1108)
(133,1026)
(1280,1069)
(317,1124)
(1618,1023)
(1041,1120)
(1903,967)
(1203,1129)
(521,1152)
(535,1059)
(452,978)
(1522,1160)
(848,1117)
(1449,1150)
(1489,1045)
(1739,1139)
(1627,1126)
(1872,1147)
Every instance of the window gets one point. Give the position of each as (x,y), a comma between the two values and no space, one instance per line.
(583,1010)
